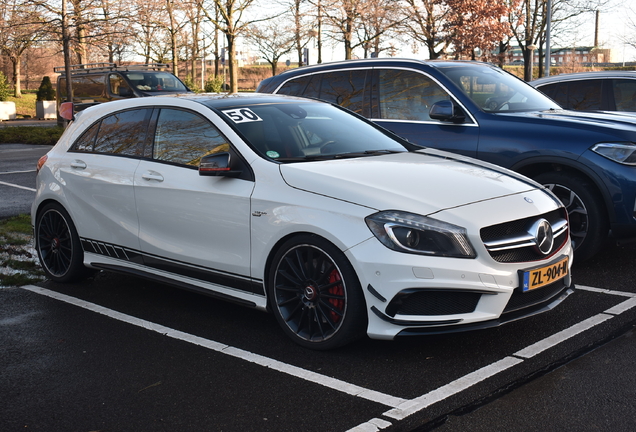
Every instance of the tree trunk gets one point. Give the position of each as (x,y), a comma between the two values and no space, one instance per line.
(17,63)
(232,63)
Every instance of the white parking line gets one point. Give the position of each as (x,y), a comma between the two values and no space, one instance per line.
(463,383)
(17,186)
(279,366)
(17,172)
(401,408)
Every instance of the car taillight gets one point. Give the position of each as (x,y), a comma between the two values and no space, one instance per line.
(41,162)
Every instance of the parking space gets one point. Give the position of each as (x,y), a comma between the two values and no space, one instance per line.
(122,353)
(17,177)
(369,386)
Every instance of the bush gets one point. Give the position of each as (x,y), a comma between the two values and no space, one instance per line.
(189,82)
(5,91)
(214,84)
(46,92)
(30,135)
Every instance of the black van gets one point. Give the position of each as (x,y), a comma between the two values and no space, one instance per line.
(94,83)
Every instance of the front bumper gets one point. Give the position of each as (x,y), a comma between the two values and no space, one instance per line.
(414,295)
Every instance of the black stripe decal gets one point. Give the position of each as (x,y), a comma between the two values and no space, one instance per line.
(217,277)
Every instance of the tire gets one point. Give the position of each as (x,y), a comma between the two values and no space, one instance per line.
(58,245)
(315,294)
(588,218)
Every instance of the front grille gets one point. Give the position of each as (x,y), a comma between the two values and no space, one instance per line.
(512,242)
(520,300)
(433,302)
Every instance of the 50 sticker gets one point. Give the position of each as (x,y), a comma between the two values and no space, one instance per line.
(242,115)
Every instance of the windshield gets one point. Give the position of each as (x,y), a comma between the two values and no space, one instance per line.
(155,82)
(495,90)
(292,132)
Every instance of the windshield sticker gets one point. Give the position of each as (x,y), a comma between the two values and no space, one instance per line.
(242,115)
(272,154)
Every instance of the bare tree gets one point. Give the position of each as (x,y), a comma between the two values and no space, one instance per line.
(380,18)
(20,27)
(528,21)
(425,24)
(272,41)
(345,17)
(232,23)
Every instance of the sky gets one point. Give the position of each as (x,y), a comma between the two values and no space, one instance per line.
(614,22)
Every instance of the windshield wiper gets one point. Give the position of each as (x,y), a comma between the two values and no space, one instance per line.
(367,153)
(321,157)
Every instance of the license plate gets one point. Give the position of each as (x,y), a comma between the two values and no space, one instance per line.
(533,279)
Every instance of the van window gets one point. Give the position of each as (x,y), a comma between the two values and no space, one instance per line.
(407,95)
(119,86)
(154,82)
(86,89)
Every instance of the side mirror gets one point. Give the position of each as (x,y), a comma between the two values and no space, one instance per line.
(218,164)
(125,92)
(66,111)
(444,110)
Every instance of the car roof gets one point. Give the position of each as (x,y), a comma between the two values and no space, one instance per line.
(584,75)
(375,62)
(269,84)
(222,100)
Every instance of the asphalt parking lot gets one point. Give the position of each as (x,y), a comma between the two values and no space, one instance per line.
(119,353)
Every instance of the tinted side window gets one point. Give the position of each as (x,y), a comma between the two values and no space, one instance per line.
(407,95)
(184,137)
(90,88)
(313,88)
(585,95)
(86,141)
(558,92)
(295,87)
(123,133)
(345,88)
(625,94)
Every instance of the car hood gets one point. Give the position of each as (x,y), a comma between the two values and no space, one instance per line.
(423,182)
(582,119)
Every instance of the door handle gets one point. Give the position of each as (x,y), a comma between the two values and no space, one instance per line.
(152,176)
(79,164)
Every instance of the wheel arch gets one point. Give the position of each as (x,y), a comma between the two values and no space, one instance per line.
(277,246)
(44,203)
(534,168)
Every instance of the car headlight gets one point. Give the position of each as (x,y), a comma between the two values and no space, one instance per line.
(412,233)
(621,153)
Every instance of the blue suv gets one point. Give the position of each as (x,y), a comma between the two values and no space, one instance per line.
(587,159)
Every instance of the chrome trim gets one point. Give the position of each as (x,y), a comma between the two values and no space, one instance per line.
(524,240)
(452,96)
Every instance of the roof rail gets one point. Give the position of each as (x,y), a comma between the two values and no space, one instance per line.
(84,68)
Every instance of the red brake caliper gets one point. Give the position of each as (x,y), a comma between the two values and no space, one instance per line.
(336,290)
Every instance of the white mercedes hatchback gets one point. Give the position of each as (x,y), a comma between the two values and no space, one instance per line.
(301,208)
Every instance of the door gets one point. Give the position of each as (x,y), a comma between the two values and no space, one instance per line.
(401,102)
(192,225)
(102,165)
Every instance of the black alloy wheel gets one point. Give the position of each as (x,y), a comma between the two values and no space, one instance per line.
(58,245)
(586,212)
(315,294)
